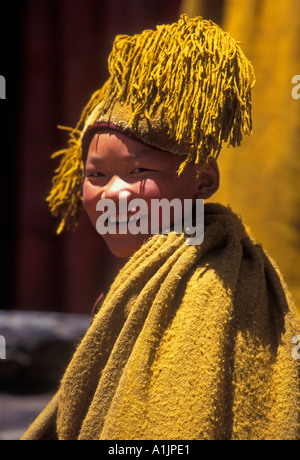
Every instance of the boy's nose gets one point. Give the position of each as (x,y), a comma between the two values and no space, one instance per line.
(116,189)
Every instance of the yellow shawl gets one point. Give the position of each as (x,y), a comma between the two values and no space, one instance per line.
(191,342)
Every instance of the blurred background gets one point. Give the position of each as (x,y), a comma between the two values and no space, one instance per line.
(53,55)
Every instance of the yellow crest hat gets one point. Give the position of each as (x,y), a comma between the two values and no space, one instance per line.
(183,87)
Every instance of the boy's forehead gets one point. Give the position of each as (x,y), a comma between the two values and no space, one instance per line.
(106,141)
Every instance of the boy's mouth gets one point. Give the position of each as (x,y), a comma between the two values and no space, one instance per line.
(124,224)
(122,220)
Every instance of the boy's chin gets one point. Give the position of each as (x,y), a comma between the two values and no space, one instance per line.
(124,247)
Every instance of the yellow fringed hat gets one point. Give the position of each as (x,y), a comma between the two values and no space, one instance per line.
(183,87)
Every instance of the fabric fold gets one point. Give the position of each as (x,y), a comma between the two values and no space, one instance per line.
(191,342)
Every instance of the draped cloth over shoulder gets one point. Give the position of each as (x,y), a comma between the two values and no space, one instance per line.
(191,342)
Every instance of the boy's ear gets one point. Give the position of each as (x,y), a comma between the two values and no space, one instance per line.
(209,181)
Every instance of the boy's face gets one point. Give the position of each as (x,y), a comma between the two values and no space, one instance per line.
(117,165)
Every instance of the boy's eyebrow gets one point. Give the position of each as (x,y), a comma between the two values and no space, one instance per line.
(141,153)
(95,159)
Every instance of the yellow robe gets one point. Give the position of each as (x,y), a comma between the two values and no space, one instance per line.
(191,342)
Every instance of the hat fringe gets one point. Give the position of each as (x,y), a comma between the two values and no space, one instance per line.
(65,197)
(200,75)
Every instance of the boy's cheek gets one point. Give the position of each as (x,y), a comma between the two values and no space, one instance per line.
(150,189)
(90,192)
(90,198)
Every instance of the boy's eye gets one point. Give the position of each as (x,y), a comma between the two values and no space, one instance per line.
(139,170)
(98,174)
(95,174)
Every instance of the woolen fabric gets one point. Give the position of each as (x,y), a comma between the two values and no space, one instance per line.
(191,342)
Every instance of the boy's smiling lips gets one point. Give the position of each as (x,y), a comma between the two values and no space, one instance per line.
(117,222)
(121,219)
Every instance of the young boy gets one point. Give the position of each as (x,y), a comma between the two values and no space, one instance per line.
(192,341)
